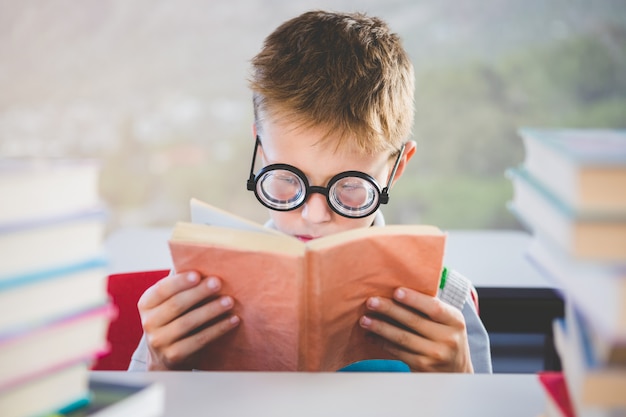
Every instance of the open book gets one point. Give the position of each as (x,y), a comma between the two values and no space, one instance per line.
(300,303)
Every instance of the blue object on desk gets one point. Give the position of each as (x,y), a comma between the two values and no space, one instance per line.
(376,365)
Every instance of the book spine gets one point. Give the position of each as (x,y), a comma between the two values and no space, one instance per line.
(309,284)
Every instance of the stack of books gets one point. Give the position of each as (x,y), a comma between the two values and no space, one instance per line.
(54,306)
(570,192)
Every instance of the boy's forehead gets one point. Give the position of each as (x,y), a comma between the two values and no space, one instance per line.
(319,159)
(283,135)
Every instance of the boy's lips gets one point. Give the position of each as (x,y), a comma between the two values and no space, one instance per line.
(305,238)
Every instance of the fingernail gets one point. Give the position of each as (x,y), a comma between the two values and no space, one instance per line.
(400,294)
(226,301)
(373,302)
(213,283)
(234,320)
(365,321)
(192,277)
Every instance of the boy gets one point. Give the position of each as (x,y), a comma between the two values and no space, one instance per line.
(332,93)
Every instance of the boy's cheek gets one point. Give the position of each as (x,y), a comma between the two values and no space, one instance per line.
(285,221)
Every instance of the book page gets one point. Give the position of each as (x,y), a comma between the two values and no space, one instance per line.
(236,238)
(205,213)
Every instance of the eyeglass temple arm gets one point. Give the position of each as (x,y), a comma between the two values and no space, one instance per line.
(384,194)
(250,182)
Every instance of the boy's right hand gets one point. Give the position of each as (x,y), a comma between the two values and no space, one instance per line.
(174,313)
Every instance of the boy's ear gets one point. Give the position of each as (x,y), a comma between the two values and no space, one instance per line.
(409,150)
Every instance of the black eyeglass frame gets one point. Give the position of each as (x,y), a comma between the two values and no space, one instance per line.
(383,195)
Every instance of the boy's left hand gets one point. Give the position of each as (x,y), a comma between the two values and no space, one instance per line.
(434,338)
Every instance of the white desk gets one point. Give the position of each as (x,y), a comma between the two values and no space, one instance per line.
(259,394)
(493,258)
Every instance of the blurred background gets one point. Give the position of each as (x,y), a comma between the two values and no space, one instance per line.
(157,90)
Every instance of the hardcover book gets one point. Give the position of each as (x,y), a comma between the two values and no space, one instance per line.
(46,187)
(590,382)
(66,388)
(300,303)
(591,236)
(54,310)
(48,243)
(38,352)
(30,300)
(585,168)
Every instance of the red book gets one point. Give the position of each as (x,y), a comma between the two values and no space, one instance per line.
(125,330)
(558,399)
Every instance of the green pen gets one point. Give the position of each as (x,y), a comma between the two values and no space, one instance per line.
(444,276)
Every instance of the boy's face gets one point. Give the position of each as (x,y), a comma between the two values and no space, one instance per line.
(287,143)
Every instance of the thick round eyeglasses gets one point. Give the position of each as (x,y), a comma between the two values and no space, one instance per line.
(352,194)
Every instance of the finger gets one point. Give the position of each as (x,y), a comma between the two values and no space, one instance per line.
(436,358)
(403,339)
(166,288)
(432,307)
(403,316)
(182,349)
(199,317)
(179,303)
(419,362)
(162,337)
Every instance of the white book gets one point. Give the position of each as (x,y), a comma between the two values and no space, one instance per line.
(49,394)
(598,289)
(51,243)
(81,337)
(35,188)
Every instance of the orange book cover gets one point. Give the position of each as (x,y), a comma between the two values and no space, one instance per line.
(300,303)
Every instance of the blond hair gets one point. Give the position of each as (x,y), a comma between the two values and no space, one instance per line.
(345,72)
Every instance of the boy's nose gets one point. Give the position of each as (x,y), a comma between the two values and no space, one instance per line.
(316,209)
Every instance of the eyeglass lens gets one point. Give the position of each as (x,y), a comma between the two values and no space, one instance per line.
(282,189)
